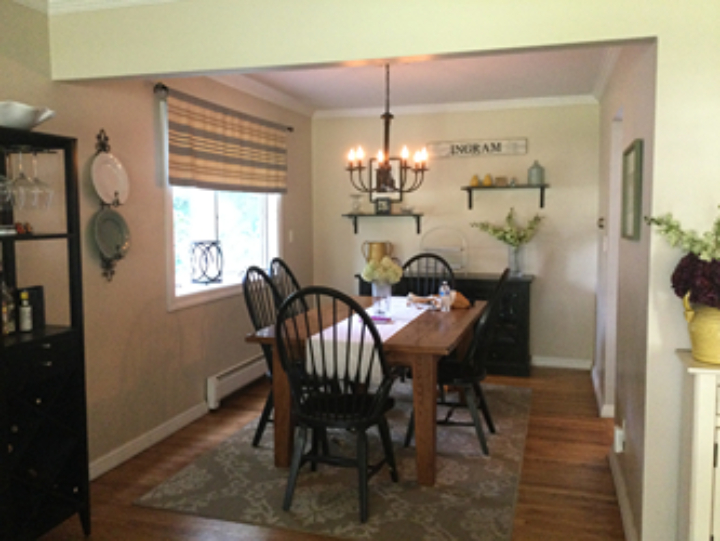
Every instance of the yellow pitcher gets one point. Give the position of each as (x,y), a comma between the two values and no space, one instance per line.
(704,327)
(376,250)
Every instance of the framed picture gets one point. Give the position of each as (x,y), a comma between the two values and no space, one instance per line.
(383,205)
(632,190)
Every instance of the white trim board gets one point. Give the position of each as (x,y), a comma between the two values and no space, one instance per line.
(488,105)
(623,499)
(561,362)
(605,410)
(134,447)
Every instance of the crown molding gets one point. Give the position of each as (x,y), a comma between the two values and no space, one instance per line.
(490,105)
(264,92)
(37,5)
(59,7)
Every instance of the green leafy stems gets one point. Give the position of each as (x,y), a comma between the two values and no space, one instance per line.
(510,232)
(705,246)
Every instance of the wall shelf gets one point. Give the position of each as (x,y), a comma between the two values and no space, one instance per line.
(354,217)
(541,187)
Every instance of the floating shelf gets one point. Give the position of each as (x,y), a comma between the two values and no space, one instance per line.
(541,187)
(354,217)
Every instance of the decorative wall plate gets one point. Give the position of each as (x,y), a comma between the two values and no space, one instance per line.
(110,179)
(111,234)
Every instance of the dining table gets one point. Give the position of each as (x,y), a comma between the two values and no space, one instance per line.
(419,345)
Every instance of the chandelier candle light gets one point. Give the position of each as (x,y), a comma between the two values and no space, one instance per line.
(382,165)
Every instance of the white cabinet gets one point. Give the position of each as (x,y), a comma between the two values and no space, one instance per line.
(699,497)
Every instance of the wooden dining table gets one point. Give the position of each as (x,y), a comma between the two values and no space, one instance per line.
(419,345)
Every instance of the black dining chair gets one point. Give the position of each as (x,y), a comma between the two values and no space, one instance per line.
(283,277)
(423,274)
(334,386)
(262,300)
(465,374)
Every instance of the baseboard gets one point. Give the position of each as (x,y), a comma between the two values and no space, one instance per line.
(606,411)
(562,362)
(114,458)
(623,501)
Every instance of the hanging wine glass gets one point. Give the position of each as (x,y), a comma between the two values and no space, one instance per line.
(41,192)
(6,184)
(22,186)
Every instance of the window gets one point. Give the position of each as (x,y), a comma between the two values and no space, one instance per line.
(224,169)
(245,223)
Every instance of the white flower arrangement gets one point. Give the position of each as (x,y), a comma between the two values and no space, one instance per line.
(385,271)
(511,233)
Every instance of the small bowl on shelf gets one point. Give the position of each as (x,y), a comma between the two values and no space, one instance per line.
(407,209)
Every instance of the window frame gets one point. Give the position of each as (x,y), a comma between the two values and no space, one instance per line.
(212,292)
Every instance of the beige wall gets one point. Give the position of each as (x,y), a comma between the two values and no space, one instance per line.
(146,366)
(246,35)
(562,256)
(630,100)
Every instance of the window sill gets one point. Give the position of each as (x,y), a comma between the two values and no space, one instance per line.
(206,295)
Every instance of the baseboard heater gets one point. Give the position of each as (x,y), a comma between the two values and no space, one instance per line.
(228,381)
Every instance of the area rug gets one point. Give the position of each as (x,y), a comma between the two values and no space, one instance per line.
(473,499)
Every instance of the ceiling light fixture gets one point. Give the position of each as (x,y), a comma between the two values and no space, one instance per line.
(383,169)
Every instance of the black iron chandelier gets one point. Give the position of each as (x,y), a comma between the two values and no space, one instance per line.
(387,175)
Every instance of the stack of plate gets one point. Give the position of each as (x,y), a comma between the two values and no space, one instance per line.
(111,184)
(110,179)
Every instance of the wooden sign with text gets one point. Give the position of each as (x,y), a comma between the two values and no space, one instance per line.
(472,149)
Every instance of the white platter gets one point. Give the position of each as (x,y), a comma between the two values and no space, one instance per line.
(110,179)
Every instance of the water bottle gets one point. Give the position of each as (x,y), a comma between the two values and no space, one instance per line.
(445,297)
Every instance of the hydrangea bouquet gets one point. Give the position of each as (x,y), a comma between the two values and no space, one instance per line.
(511,232)
(698,272)
(385,271)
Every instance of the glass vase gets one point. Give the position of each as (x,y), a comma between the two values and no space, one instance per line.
(382,294)
(515,260)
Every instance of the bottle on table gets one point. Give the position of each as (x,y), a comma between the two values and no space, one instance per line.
(445,297)
(25,321)
(8,307)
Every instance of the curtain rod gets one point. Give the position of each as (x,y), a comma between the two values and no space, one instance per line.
(160,88)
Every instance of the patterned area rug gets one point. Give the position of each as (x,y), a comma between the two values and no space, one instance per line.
(474,497)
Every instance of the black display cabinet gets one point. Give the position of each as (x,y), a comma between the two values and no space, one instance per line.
(43,420)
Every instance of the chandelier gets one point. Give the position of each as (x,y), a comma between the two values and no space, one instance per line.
(387,175)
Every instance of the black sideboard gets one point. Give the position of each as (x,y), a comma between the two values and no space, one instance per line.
(510,353)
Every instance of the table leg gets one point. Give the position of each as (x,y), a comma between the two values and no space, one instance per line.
(424,381)
(282,418)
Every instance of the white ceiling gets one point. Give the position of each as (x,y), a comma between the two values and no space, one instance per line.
(577,74)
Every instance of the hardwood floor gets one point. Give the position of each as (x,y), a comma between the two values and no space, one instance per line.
(566,490)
